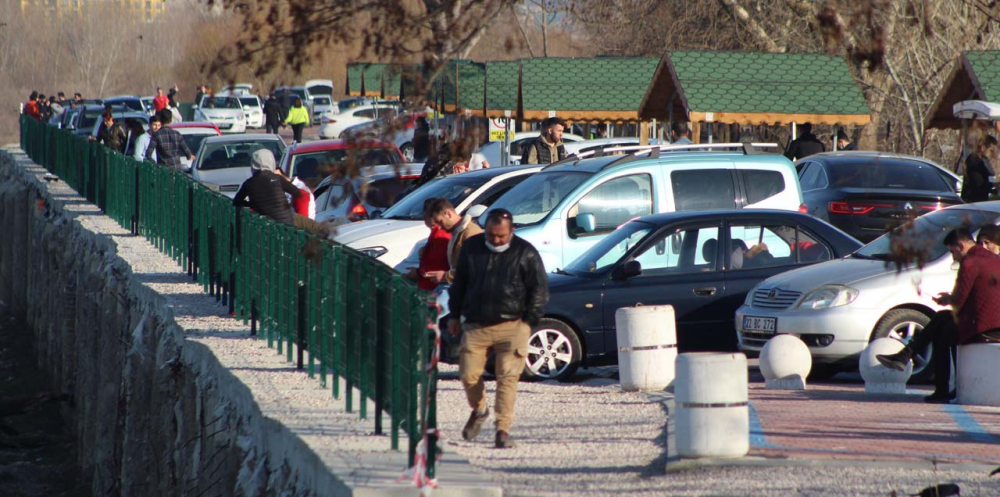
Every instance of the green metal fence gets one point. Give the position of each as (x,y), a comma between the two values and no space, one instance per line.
(363,326)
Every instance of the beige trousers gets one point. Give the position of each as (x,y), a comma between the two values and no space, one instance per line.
(509,341)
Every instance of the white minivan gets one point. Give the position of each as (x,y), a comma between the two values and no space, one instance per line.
(571,205)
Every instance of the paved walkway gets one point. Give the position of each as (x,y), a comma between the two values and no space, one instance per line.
(830,421)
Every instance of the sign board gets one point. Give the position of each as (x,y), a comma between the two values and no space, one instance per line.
(498,128)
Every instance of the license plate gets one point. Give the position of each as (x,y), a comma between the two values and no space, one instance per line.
(759,324)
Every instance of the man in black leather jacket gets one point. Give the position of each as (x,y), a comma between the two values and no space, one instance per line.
(500,289)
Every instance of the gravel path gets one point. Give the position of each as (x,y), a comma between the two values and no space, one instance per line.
(588,438)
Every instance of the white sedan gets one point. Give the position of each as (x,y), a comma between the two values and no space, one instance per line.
(334,121)
(837,307)
(223,162)
(224,112)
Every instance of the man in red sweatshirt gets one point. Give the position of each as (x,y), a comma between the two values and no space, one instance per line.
(974,303)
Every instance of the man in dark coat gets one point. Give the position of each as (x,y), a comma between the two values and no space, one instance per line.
(805,145)
(548,147)
(273,114)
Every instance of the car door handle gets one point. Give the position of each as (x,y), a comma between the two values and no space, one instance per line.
(704,292)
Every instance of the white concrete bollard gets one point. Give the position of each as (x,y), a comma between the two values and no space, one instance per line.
(785,362)
(647,347)
(711,397)
(878,378)
(978,375)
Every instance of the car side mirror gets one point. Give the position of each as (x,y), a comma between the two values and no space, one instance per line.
(628,270)
(476,210)
(586,222)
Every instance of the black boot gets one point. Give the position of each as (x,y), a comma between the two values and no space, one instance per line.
(897,361)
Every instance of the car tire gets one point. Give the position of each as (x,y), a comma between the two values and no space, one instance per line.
(902,324)
(407,150)
(554,352)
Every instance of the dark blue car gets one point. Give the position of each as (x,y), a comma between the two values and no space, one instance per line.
(702,263)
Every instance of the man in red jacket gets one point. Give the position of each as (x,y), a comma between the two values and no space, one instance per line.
(974,300)
(31,108)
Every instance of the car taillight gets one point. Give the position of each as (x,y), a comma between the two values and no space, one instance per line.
(358,213)
(327,120)
(803,209)
(853,208)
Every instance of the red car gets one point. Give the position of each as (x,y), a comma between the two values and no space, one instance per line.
(316,160)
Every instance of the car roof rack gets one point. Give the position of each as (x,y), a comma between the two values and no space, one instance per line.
(634,152)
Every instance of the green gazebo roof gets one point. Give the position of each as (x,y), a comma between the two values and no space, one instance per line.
(601,88)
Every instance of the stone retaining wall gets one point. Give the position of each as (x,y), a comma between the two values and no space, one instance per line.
(153,413)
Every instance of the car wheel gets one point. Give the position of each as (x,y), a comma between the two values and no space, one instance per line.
(554,351)
(903,325)
(407,150)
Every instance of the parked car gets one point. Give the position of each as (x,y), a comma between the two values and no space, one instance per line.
(292,92)
(332,125)
(225,112)
(570,206)
(318,87)
(341,200)
(693,261)
(321,105)
(837,307)
(868,193)
(222,163)
(133,102)
(254,110)
(397,236)
(82,119)
(313,161)
(193,134)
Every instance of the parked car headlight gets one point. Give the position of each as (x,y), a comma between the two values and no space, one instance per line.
(374,252)
(828,296)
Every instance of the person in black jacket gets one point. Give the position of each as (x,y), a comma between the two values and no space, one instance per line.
(548,147)
(976,184)
(273,114)
(500,288)
(266,189)
(805,145)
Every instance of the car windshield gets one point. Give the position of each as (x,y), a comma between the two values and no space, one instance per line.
(534,198)
(222,103)
(89,118)
(321,90)
(327,162)
(350,103)
(884,173)
(194,141)
(607,252)
(927,235)
(250,101)
(233,154)
(454,188)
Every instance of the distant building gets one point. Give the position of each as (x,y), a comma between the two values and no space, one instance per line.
(143,10)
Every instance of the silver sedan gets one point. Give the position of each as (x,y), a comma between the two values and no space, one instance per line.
(838,306)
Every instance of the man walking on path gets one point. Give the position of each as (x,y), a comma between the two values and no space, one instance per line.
(272,114)
(499,290)
(442,213)
(548,147)
(166,143)
(805,145)
(977,290)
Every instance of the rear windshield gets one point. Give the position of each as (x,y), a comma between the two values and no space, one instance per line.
(194,141)
(383,192)
(131,103)
(226,155)
(250,101)
(886,174)
(321,100)
(322,164)
(321,90)
(454,188)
